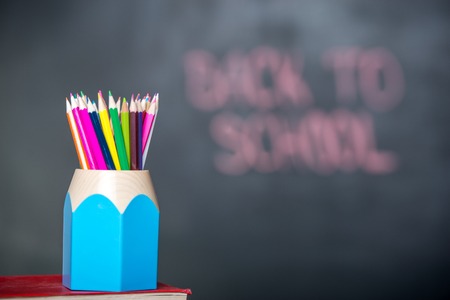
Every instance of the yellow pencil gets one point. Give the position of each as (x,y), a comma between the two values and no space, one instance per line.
(106,127)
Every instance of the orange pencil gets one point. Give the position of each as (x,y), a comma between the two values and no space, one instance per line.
(76,137)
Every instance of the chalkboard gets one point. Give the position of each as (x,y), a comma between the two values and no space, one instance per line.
(301,149)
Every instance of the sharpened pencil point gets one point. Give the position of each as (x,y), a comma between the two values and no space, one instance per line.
(112,104)
(73,102)
(68,107)
(155,97)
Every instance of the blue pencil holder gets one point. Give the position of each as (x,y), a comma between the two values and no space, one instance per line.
(110,235)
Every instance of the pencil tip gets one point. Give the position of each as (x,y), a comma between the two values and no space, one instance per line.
(112,104)
(155,97)
(101,103)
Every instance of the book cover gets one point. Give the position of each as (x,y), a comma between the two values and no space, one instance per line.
(50,287)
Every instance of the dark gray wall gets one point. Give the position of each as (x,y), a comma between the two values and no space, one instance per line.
(288,234)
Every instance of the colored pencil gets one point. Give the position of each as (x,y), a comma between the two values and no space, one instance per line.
(144,107)
(118,136)
(99,161)
(139,136)
(76,137)
(155,100)
(106,126)
(81,131)
(147,125)
(81,98)
(100,136)
(125,122)
(118,106)
(133,136)
(147,101)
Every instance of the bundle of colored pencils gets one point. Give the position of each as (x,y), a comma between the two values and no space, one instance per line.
(116,137)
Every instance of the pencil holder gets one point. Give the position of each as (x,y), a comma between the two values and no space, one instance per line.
(110,236)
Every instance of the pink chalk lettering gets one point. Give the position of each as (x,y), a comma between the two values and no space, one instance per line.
(384,95)
(343,62)
(226,130)
(283,143)
(342,122)
(314,121)
(274,158)
(263,79)
(238,73)
(304,149)
(375,73)
(322,142)
(265,61)
(206,86)
(266,79)
(291,87)
(373,160)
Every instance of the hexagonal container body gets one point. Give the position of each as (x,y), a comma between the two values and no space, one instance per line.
(110,236)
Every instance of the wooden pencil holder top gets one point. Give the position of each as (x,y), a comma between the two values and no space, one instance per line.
(110,235)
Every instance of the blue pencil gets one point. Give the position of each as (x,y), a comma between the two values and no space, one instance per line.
(100,136)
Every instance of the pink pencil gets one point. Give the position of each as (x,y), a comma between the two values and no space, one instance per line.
(155,102)
(99,161)
(147,126)
(81,131)
(145,107)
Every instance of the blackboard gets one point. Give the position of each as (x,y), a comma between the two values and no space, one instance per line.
(301,149)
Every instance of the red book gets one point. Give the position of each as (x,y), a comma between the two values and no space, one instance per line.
(50,287)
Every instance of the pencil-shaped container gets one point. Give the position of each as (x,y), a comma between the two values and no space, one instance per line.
(110,236)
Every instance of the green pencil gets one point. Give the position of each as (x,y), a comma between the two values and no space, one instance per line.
(118,136)
(125,119)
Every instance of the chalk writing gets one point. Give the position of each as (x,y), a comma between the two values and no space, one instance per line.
(282,128)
